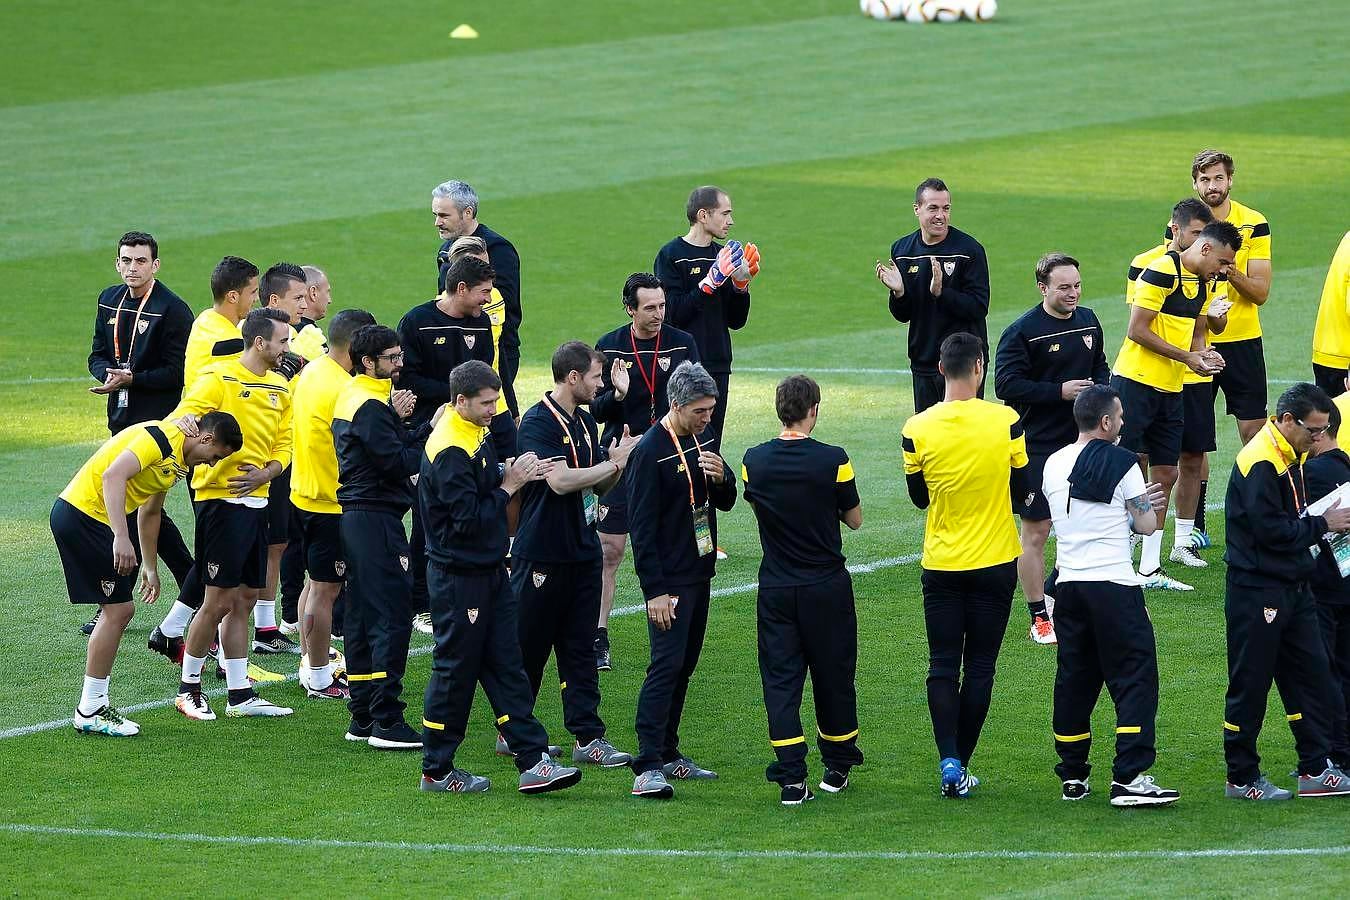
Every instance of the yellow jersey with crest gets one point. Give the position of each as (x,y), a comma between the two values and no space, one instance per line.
(158,447)
(1244,319)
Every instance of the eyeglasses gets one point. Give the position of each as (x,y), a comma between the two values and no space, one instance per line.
(1315,432)
(391,357)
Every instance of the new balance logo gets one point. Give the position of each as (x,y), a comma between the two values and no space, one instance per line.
(438,342)
(1254,793)
(545,771)
(597,754)
(681,772)
(1331,781)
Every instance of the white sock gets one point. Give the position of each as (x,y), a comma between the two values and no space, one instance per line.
(1150,558)
(236,674)
(176,622)
(1183,534)
(265,614)
(192,668)
(94,696)
(321,677)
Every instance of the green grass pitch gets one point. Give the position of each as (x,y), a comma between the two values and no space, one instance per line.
(313,132)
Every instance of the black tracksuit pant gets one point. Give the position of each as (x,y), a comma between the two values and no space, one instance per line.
(1273,634)
(477,641)
(558,604)
(811,628)
(1335,620)
(417,543)
(965,614)
(292,575)
(675,654)
(379,616)
(1105,636)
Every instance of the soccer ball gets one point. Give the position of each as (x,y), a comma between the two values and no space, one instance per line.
(981,10)
(880,9)
(919,11)
(943,10)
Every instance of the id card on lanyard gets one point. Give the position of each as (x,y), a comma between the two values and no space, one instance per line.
(589,504)
(703,539)
(123,395)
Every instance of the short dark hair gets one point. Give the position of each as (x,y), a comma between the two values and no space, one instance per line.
(278,278)
(1050,262)
(258,324)
(1189,210)
(701,198)
(929,184)
(1206,158)
(794,397)
(1092,404)
(223,427)
(1301,400)
(958,354)
(1334,419)
(469,379)
(345,324)
(139,239)
(574,356)
(468,270)
(1225,233)
(370,341)
(636,282)
(231,274)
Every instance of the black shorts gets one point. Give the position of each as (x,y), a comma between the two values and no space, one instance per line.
(1243,379)
(321,536)
(612,508)
(231,544)
(1033,506)
(1153,421)
(85,546)
(1329,379)
(1197,404)
(504,435)
(279,508)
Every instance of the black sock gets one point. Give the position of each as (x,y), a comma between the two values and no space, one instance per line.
(1200,508)
(239,695)
(1037,608)
(602,637)
(186,688)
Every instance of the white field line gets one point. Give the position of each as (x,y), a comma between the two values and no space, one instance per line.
(236,840)
(787,370)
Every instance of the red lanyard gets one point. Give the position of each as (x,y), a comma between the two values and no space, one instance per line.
(679,451)
(571,440)
(650,382)
(117,325)
(1299,506)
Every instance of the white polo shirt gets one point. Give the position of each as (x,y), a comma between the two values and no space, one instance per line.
(1092,540)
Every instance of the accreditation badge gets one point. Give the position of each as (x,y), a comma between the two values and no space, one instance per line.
(123,396)
(702,530)
(589,505)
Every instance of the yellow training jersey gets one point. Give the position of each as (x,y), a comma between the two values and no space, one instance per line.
(1342,402)
(966,450)
(309,342)
(1178,297)
(213,339)
(496,312)
(1244,322)
(314,468)
(1137,266)
(1331,336)
(261,404)
(158,447)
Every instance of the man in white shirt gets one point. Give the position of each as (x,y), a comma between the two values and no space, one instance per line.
(1097,496)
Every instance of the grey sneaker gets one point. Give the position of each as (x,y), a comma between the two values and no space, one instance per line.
(602,753)
(1187,556)
(1075,789)
(1260,789)
(685,768)
(652,785)
(548,775)
(1142,792)
(1331,783)
(504,750)
(457,781)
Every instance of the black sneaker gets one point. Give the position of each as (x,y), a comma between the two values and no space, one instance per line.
(1075,789)
(358,732)
(833,781)
(88,627)
(171,647)
(602,658)
(398,736)
(795,794)
(271,640)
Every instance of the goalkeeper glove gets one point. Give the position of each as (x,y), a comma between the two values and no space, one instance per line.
(290,364)
(729,259)
(740,279)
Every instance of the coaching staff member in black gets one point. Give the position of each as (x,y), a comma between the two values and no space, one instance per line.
(556,558)
(141,330)
(1273,633)
(800,490)
(1097,496)
(463,494)
(376,456)
(1045,359)
(674,483)
(939,282)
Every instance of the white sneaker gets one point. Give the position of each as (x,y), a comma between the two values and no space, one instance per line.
(1043,631)
(1161,581)
(256,706)
(106,721)
(193,705)
(290,629)
(1186,555)
(422,623)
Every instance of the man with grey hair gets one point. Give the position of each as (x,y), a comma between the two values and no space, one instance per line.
(455,206)
(673,485)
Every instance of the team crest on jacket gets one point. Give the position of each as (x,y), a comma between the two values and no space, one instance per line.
(603,511)
(274,398)
(108,586)
(403,561)
(1271,614)
(949,266)
(142,325)
(473,615)
(664,363)
(538,578)
(469,340)
(340,567)
(212,569)
(1087,339)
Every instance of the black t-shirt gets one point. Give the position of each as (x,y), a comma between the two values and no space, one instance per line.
(963,304)
(645,358)
(710,318)
(434,342)
(553,527)
(798,487)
